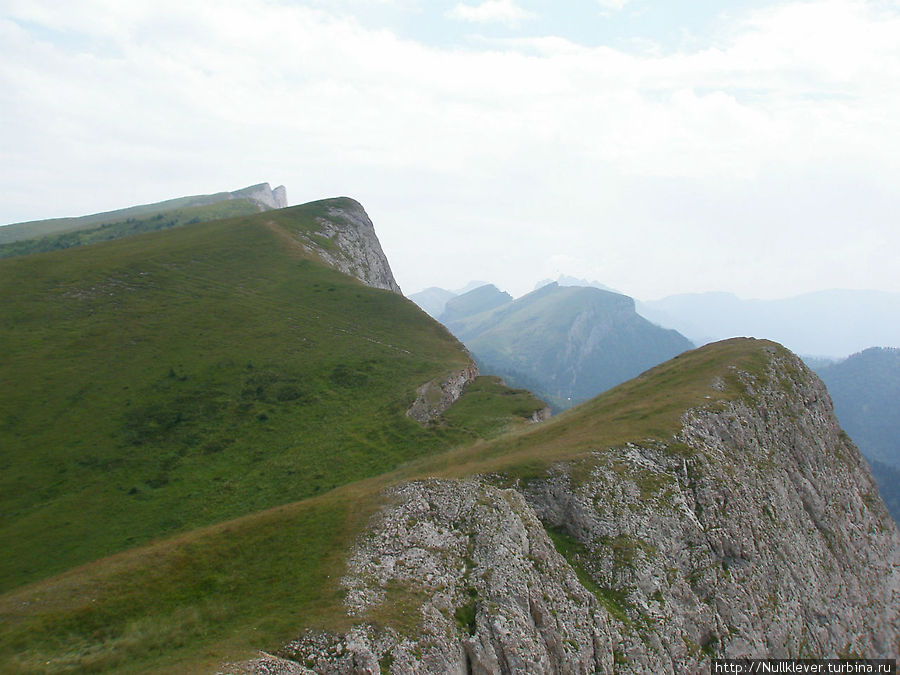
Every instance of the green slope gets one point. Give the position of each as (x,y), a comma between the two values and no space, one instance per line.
(119,225)
(43,228)
(168,381)
(188,603)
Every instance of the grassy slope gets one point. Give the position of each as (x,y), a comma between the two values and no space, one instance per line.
(161,383)
(118,226)
(52,226)
(187,603)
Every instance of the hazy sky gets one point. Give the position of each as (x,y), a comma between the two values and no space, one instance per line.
(655,146)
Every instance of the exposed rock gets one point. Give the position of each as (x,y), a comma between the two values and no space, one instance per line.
(497,596)
(346,240)
(756,531)
(263,196)
(266,664)
(435,396)
(541,415)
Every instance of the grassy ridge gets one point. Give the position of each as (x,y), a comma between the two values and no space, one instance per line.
(118,226)
(255,582)
(165,382)
(52,226)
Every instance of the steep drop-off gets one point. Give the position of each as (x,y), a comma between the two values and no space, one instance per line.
(753,529)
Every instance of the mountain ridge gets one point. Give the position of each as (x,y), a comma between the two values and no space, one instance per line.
(261,195)
(230,403)
(566,343)
(637,557)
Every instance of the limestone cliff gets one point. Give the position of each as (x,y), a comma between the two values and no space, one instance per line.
(345,239)
(755,530)
(263,196)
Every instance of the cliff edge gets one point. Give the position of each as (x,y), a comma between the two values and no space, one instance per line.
(755,530)
(344,238)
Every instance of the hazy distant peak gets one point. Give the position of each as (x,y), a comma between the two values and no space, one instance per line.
(565,280)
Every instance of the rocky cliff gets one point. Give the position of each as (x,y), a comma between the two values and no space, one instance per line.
(263,196)
(755,530)
(345,238)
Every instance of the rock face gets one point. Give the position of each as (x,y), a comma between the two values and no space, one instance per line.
(435,396)
(755,531)
(346,240)
(264,196)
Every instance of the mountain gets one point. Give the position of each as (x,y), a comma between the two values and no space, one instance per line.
(888,478)
(865,388)
(737,521)
(460,309)
(167,381)
(59,233)
(237,436)
(566,280)
(566,344)
(432,300)
(826,323)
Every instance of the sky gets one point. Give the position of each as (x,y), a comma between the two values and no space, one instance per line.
(656,147)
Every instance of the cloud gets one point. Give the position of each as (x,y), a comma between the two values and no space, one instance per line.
(612,4)
(491,11)
(742,165)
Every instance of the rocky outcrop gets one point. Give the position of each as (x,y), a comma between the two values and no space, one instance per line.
(755,531)
(435,396)
(263,196)
(498,596)
(345,239)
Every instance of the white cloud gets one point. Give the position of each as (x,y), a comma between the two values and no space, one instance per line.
(613,4)
(491,11)
(742,166)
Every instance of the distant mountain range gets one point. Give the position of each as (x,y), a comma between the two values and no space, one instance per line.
(564,343)
(865,389)
(832,323)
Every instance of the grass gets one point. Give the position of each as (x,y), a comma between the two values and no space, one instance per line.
(230,589)
(184,604)
(647,408)
(119,227)
(192,376)
(224,412)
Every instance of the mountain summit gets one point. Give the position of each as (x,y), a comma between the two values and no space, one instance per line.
(344,237)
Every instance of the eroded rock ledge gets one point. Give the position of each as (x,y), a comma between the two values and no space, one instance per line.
(435,396)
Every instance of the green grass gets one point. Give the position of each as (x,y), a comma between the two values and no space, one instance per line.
(225,204)
(158,385)
(185,604)
(490,408)
(220,593)
(648,407)
(165,382)
(125,227)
